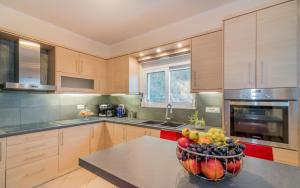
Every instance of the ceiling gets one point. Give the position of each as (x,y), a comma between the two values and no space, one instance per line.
(112,21)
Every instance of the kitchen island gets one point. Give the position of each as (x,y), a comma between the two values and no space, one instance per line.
(151,162)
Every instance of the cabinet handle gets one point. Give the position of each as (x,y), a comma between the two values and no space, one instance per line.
(194,79)
(36,172)
(262,73)
(61,138)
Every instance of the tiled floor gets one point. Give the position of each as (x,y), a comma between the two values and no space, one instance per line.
(78,179)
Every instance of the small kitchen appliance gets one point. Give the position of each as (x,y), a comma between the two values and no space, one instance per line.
(106,110)
(120,111)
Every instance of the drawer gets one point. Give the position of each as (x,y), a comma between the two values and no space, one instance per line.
(30,157)
(31,137)
(33,174)
(286,156)
(27,147)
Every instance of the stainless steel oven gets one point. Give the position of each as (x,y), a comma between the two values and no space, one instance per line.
(265,116)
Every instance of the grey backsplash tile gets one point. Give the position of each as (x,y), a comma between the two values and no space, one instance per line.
(9,116)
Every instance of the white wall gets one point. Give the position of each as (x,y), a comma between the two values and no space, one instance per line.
(192,26)
(14,21)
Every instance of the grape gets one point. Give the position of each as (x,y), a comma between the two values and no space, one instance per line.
(229,141)
(199,150)
(231,152)
(194,150)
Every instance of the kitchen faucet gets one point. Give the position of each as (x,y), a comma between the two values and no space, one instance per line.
(169,111)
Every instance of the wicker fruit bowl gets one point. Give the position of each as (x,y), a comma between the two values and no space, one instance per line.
(209,160)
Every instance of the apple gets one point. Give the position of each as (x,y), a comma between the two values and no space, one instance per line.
(185,132)
(234,166)
(212,169)
(194,135)
(194,166)
(183,142)
(204,140)
(186,165)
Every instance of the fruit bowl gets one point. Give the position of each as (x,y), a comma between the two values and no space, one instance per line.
(209,160)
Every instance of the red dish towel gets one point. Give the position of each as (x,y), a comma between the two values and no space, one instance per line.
(258,151)
(170,135)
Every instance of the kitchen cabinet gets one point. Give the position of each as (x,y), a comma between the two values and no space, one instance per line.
(285,156)
(207,62)
(31,159)
(134,132)
(102,80)
(277,46)
(2,161)
(114,134)
(67,61)
(260,48)
(97,137)
(239,52)
(123,75)
(74,143)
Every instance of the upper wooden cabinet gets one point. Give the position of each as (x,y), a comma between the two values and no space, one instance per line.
(67,61)
(260,48)
(239,52)
(123,75)
(102,80)
(207,62)
(277,46)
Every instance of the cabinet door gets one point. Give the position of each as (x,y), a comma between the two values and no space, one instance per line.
(277,46)
(135,132)
(88,65)
(207,62)
(74,143)
(154,133)
(2,178)
(240,52)
(97,137)
(2,152)
(118,70)
(108,134)
(119,135)
(102,76)
(66,61)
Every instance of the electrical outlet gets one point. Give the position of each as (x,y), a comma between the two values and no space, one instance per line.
(212,109)
(80,106)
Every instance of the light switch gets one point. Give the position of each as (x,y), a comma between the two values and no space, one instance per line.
(80,106)
(212,109)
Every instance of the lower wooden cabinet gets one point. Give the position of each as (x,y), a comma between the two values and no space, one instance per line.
(114,134)
(32,174)
(97,137)
(285,156)
(2,178)
(2,161)
(74,142)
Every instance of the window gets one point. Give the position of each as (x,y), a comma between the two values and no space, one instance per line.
(167,81)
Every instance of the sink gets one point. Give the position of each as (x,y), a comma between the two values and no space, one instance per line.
(163,123)
(171,124)
(153,122)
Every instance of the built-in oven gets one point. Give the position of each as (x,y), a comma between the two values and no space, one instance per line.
(264,116)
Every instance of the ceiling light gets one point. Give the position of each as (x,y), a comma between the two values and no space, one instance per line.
(158,50)
(179,45)
(141,54)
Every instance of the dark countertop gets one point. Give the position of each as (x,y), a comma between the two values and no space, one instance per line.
(37,127)
(151,162)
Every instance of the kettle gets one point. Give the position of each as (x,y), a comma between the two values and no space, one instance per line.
(120,112)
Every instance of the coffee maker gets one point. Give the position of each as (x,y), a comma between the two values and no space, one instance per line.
(106,110)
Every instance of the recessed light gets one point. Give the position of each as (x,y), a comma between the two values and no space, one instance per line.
(158,50)
(141,54)
(179,45)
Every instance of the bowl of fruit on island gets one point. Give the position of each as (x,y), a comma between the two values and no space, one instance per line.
(211,156)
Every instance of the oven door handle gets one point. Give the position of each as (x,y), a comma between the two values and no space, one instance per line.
(259,103)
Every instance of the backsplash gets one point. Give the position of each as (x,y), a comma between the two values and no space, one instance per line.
(24,108)
(203,100)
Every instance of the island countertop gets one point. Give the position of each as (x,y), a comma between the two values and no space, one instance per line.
(151,162)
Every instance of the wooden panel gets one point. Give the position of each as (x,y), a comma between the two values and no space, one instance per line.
(108,134)
(135,132)
(32,137)
(31,157)
(207,62)
(33,174)
(119,134)
(102,76)
(277,46)
(74,143)
(97,137)
(240,52)
(66,61)
(118,74)
(2,178)
(88,65)
(27,147)
(286,156)
(134,75)
(155,133)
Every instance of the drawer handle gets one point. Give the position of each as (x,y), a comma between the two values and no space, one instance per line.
(34,157)
(36,172)
(34,147)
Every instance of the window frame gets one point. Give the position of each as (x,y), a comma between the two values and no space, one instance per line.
(166,65)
